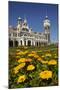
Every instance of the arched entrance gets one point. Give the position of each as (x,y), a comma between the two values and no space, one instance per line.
(16,43)
(21,42)
(25,43)
(29,43)
(37,43)
(10,43)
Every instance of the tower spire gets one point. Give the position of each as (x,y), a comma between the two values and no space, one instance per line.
(19,25)
(25,20)
(24,17)
(46,13)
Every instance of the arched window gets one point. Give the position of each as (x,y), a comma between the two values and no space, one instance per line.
(21,42)
(37,43)
(29,43)
(16,43)
(10,43)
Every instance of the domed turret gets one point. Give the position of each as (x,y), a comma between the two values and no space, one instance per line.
(25,26)
(19,20)
(19,25)
(46,23)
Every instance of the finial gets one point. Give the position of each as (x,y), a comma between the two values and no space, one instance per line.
(25,20)
(19,18)
(46,17)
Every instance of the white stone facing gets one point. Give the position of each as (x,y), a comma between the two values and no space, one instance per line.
(22,35)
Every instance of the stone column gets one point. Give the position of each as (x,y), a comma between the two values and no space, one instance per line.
(31,42)
(19,43)
(38,43)
(34,43)
(23,42)
(26,42)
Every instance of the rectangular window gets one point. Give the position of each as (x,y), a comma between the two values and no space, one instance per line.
(15,34)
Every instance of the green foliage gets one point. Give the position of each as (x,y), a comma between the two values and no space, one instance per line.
(32,79)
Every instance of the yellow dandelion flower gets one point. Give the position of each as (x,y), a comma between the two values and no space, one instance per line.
(48,54)
(21,60)
(34,52)
(24,60)
(21,65)
(18,53)
(17,68)
(22,53)
(52,62)
(30,67)
(45,74)
(30,55)
(21,79)
(39,59)
(44,62)
(16,71)
(36,56)
(42,56)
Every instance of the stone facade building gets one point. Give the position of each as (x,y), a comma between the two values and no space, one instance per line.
(22,35)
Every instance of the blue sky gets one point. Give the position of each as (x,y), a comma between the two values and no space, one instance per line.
(35,15)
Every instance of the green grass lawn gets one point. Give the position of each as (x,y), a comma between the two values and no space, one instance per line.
(33,66)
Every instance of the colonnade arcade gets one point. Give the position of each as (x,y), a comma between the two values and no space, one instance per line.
(17,43)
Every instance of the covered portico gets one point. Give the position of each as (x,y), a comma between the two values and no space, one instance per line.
(26,42)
